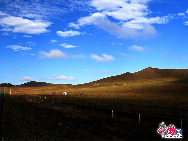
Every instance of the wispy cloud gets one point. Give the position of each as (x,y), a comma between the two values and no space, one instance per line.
(123,54)
(67,45)
(136,48)
(44,9)
(113,44)
(186,23)
(52,54)
(25,78)
(18,48)
(29,15)
(58,54)
(104,58)
(3,14)
(184,16)
(77,56)
(53,41)
(68,33)
(31,43)
(61,77)
(27,36)
(88,70)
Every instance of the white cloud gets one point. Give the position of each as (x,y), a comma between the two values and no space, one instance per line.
(130,18)
(18,48)
(136,48)
(58,54)
(33,54)
(104,58)
(186,23)
(25,78)
(61,77)
(21,25)
(52,54)
(181,14)
(67,45)
(92,19)
(106,4)
(113,28)
(140,22)
(74,25)
(126,11)
(53,41)
(68,33)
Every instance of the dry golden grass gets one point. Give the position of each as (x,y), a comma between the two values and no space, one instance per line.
(138,94)
(90,111)
(104,89)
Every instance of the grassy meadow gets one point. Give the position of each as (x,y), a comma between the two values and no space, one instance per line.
(34,113)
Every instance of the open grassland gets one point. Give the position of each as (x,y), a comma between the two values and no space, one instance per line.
(33,113)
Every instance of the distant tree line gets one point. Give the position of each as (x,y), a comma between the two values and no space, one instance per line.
(28,84)
(6,85)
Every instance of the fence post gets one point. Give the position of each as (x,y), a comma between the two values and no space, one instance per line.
(10,91)
(112,114)
(139,118)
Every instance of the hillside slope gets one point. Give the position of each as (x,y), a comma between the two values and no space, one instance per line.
(180,75)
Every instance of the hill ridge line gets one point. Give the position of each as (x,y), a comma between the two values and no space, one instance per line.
(146,73)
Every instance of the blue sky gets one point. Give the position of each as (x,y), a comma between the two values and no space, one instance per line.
(78,41)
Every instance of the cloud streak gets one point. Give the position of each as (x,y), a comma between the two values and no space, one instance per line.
(67,45)
(68,33)
(61,77)
(136,48)
(53,41)
(18,48)
(104,58)
(52,54)
(25,78)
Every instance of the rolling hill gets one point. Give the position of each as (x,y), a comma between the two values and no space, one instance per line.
(178,75)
